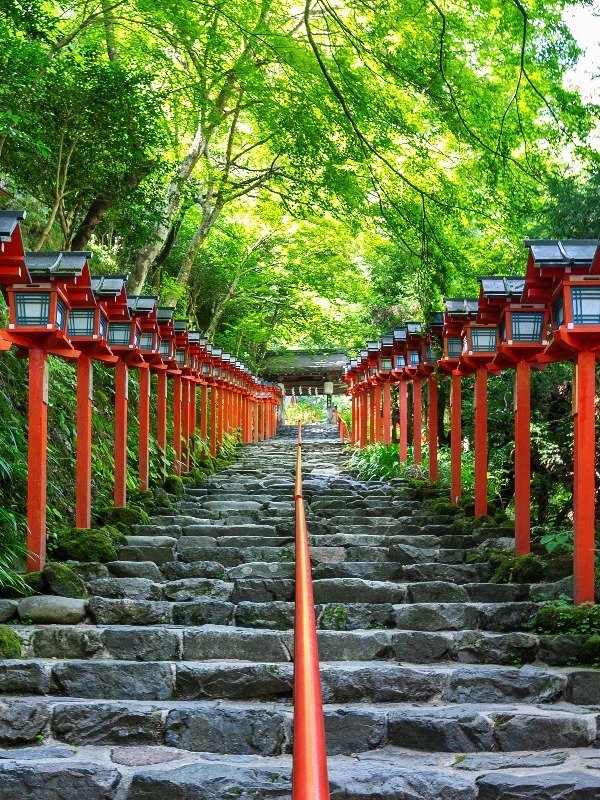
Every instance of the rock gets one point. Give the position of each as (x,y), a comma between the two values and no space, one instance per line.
(214,729)
(22,720)
(37,753)
(262,590)
(539,786)
(354,729)
(478,647)
(420,647)
(327,555)
(364,781)
(379,683)
(543,732)
(49,609)
(120,680)
(451,730)
(159,555)
(496,685)
(436,616)
(584,687)
(436,592)
(8,609)
(234,681)
(142,756)
(108,723)
(60,579)
(28,677)
(130,612)
(506,616)
(73,781)
(203,612)
(192,588)
(484,761)
(142,644)
(177,570)
(135,569)
(213,641)
(347,590)
(262,570)
(560,650)
(66,642)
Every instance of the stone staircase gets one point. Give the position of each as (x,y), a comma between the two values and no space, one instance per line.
(178,681)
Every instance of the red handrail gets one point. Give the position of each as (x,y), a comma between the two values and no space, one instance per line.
(309,772)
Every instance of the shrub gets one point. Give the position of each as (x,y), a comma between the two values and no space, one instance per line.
(123,518)
(82,544)
(10,646)
(590,652)
(519,569)
(561,616)
(444,508)
(174,486)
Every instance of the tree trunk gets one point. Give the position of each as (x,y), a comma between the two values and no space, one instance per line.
(109,31)
(96,211)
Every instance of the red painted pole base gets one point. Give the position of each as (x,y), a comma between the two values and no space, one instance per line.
(37,441)
(584,478)
(456,439)
(522,458)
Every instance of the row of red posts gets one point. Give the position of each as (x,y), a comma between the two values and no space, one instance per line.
(551,314)
(56,307)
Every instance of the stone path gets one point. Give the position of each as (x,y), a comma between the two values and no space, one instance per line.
(177,684)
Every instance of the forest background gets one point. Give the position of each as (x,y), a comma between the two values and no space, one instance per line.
(292,175)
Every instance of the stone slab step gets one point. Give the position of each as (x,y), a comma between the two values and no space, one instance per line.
(342,682)
(209,642)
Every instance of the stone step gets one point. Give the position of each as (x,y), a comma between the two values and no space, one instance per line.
(347,681)
(458,642)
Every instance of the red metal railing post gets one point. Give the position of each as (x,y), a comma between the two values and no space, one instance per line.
(481,443)
(161,421)
(456,438)
(364,418)
(387,413)
(309,772)
(37,443)
(144,430)
(403,404)
(213,420)
(432,428)
(204,418)
(522,404)
(584,391)
(417,421)
(185,424)
(121,406)
(83,481)
(193,423)
(177,423)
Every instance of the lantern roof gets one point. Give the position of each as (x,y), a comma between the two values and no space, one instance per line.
(108,285)
(164,314)
(414,328)
(141,304)
(557,253)
(180,325)
(57,264)
(461,307)
(399,334)
(435,319)
(502,287)
(8,222)
(194,337)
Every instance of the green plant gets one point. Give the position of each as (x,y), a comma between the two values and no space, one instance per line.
(561,616)
(60,579)
(10,645)
(174,485)
(518,569)
(123,518)
(95,544)
(559,540)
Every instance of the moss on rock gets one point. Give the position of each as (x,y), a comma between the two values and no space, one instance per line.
(123,518)
(60,579)
(174,485)
(10,646)
(444,507)
(83,544)
(590,652)
(518,569)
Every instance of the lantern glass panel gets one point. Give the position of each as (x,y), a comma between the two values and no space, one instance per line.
(374,370)
(585,302)
(165,349)
(558,311)
(362,376)
(206,369)
(102,326)
(527,326)
(454,347)
(400,362)
(32,308)
(385,364)
(81,322)
(216,372)
(61,314)
(180,356)
(119,334)
(414,358)
(147,342)
(484,340)
(136,337)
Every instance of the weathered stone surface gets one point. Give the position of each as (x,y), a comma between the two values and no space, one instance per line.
(151,541)
(70,781)
(159,555)
(379,683)
(539,786)
(366,781)
(225,729)
(262,590)
(265,615)
(129,612)
(497,592)
(451,730)
(28,677)
(459,573)
(543,732)
(258,569)
(227,556)
(142,644)
(178,570)
(108,723)
(126,588)
(352,616)
(485,761)
(66,642)
(353,645)
(506,616)
(584,687)
(192,542)
(406,554)
(421,647)
(213,781)
(436,616)
(327,555)
(22,720)
(491,685)
(202,612)
(135,569)
(192,588)
(477,647)
(142,756)
(246,644)
(120,680)
(347,590)
(560,650)
(436,592)
(51,609)
(234,681)
(8,609)
(37,753)
(354,729)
